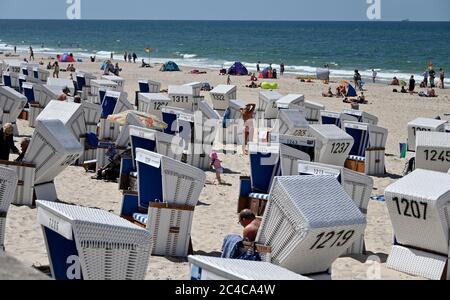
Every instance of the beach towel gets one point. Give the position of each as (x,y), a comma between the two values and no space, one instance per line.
(231,246)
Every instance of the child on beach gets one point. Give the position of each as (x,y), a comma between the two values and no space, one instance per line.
(216,164)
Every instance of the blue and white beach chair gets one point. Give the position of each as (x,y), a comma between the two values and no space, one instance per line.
(369,146)
(168,191)
(334,118)
(91,244)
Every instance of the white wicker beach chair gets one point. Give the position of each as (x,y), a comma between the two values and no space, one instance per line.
(308,223)
(333,144)
(291,122)
(92,244)
(100,84)
(42,75)
(182,96)
(433,151)
(84,83)
(155,141)
(312,111)
(369,146)
(70,114)
(61,83)
(232,134)
(119,80)
(221,96)
(419,206)
(358,186)
(8,183)
(196,88)
(362,116)
(335,118)
(169,190)
(52,148)
(113,103)
(11,105)
(267,105)
(423,124)
(291,101)
(153,103)
(92,114)
(43,94)
(303,143)
(11,80)
(149,86)
(206,125)
(215,268)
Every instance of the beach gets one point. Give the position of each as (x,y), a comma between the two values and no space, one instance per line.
(216,214)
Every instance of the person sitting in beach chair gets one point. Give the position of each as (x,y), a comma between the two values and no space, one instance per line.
(251,224)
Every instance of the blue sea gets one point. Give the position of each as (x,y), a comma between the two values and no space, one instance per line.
(392,48)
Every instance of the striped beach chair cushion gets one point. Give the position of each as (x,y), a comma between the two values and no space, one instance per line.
(141,218)
(259,196)
(356,157)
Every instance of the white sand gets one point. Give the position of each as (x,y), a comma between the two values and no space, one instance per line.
(216,215)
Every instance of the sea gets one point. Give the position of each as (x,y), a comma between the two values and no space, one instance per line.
(391,48)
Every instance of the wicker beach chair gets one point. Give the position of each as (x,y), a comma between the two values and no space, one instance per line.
(168,191)
(70,114)
(423,124)
(52,148)
(62,83)
(308,223)
(291,101)
(149,86)
(98,85)
(117,79)
(182,96)
(11,105)
(215,268)
(291,122)
(267,105)
(83,80)
(312,111)
(368,148)
(335,118)
(8,183)
(92,244)
(358,186)
(362,116)
(418,206)
(333,145)
(221,96)
(433,151)
(152,103)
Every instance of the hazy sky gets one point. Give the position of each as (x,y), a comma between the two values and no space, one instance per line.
(342,10)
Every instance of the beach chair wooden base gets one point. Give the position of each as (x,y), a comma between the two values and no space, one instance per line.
(355,165)
(419,263)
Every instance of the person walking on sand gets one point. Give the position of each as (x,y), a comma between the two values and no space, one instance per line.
(258,69)
(56,70)
(15,49)
(31,53)
(112,55)
(425,78)
(374,75)
(129,57)
(228,80)
(442,77)
(125,56)
(134,57)
(216,163)
(281,69)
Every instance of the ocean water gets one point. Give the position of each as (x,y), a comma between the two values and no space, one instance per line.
(392,48)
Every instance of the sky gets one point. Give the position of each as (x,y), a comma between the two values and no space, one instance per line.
(336,10)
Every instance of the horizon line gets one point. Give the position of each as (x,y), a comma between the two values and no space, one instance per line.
(231,20)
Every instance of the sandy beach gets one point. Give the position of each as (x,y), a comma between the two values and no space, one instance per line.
(216,215)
